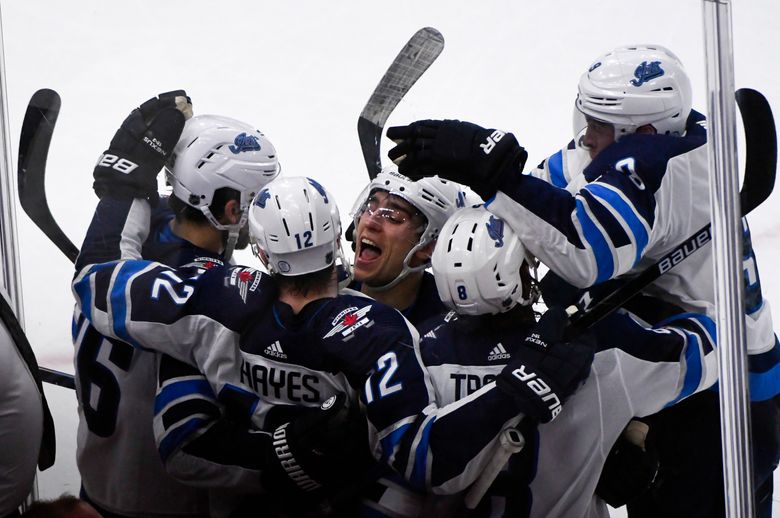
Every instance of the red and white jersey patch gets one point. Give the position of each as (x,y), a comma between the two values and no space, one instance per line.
(246,280)
(349,320)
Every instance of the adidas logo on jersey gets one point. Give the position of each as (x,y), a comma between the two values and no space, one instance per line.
(275,350)
(498,353)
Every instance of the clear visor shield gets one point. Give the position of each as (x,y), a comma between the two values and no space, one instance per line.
(582,122)
(578,125)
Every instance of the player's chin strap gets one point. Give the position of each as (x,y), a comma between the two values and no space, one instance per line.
(406,270)
(233,230)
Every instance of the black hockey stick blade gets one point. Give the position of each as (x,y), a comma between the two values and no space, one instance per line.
(55,377)
(760,146)
(757,185)
(408,66)
(37,130)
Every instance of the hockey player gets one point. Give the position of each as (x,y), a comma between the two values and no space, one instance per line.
(396,222)
(479,271)
(626,192)
(218,166)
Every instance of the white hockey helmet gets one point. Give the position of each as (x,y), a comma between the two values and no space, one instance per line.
(477,262)
(215,152)
(295,225)
(435,198)
(632,86)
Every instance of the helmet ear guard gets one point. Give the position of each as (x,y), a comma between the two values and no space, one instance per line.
(477,264)
(634,86)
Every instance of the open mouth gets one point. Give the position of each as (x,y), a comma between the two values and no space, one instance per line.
(369,251)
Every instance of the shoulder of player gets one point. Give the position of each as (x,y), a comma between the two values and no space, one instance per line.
(355,315)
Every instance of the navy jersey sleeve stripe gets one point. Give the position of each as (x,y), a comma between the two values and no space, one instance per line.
(602,212)
(420,470)
(601,249)
(179,389)
(702,322)
(693,370)
(189,407)
(119,298)
(627,213)
(174,438)
(391,442)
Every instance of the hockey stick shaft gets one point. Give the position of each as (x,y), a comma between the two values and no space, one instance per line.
(55,377)
(511,441)
(760,170)
(37,130)
(408,66)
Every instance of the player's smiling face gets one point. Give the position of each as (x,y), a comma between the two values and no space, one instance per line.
(387,229)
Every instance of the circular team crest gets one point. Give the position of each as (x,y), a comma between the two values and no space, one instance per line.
(284,266)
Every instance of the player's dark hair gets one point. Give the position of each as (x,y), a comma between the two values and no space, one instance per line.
(185,212)
(307,283)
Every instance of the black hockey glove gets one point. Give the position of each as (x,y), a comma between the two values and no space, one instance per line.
(318,452)
(545,370)
(459,151)
(141,146)
(629,471)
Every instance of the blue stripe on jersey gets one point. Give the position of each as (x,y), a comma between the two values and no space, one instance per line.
(180,389)
(595,239)
(83,289)
(421,456)
(390,443)
(627,212)
(555,166)
(693,369)
(119,300)
(174,439)
(703,320)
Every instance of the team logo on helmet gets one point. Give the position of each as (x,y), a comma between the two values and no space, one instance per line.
(594,66)
(263,197)
(495,228)
(320,189)
(244,142)
(348,321)
(646,72)
(461,201)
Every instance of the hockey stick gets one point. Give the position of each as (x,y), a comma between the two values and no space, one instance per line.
(414,59)
(759,179)
(510,442)
(37,129)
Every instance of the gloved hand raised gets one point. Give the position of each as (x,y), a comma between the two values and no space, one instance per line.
(459,151)
(545,370)
(141,146)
